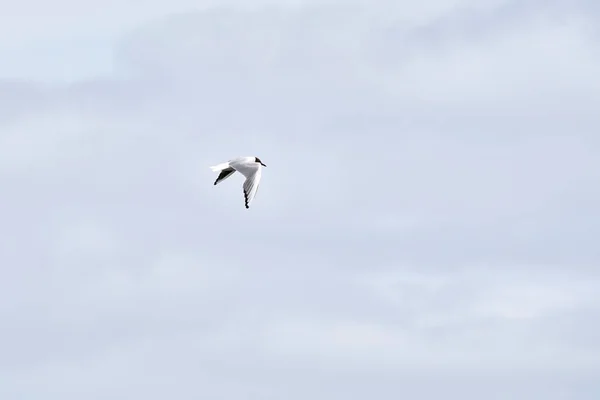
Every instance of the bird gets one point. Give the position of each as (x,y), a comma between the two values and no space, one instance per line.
(250,167)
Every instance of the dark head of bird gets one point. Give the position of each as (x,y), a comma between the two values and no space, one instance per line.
(258,161)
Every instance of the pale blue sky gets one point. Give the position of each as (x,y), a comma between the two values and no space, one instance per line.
(427,225)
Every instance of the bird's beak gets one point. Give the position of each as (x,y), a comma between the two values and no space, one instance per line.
(263,164)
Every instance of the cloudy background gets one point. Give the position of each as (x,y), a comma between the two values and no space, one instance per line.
(427,227)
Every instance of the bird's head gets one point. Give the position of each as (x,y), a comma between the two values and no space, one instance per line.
(256,159)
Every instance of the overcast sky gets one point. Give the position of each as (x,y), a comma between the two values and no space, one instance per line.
(427,227)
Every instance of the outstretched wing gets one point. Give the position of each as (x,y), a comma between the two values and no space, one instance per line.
(226,173)
(251,186)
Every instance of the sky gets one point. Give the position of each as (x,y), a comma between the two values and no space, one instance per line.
(426,227)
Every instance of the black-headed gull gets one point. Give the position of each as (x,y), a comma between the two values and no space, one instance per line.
(250,167)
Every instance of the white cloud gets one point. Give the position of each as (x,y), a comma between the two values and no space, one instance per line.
(533,66)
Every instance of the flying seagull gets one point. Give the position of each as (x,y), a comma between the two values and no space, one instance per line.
(250,167)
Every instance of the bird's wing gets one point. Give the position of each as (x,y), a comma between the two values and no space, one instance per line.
(251,186)
(246,168)
(226,173)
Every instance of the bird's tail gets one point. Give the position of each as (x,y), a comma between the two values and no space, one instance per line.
(219,167)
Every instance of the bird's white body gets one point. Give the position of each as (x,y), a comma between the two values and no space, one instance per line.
(250,167)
